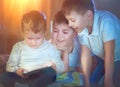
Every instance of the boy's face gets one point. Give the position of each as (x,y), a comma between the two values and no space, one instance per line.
(34,40)
(62,35)
(77,21)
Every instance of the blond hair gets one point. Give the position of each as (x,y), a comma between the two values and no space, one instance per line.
(34,21)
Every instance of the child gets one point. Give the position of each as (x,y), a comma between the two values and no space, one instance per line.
(66,40)
(99,33)
(32,53)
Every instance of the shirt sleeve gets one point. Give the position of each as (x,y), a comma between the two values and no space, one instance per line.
(56,58)
(110,27)
(13,61)
(83,39)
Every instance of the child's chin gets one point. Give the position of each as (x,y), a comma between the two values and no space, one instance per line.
(34,47)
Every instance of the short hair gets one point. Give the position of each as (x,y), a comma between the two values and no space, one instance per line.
(80,6)
(33,20)
(59,18)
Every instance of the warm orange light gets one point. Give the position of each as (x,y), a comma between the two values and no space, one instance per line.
(14,9)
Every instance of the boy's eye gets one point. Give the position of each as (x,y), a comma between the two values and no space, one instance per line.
(29,38)
(54,30)
(65,32)
(72,20)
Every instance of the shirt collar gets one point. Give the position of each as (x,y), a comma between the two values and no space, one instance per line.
(84,32)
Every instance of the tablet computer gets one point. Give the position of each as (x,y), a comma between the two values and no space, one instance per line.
(25,73)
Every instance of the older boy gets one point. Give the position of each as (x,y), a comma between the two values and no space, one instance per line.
(32,53)
(99,33)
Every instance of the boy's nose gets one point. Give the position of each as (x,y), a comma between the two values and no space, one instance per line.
(33,42)
(59,37)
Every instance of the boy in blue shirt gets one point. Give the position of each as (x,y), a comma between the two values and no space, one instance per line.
(99,33)
(66,40)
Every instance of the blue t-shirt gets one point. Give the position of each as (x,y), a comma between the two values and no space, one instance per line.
(74,56)
(106,27)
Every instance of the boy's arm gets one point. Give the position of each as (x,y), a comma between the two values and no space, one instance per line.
(64,55)
(65,59)
(109,63)
(12,63)
(86,61)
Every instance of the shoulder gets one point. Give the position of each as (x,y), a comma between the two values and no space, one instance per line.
(76,42)
(18,43)
(106,20)
(17,46)
(103,15)
(108,25)
(77,45)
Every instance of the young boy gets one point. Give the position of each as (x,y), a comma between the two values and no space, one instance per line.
(99,33)
(66,40)
(32,53)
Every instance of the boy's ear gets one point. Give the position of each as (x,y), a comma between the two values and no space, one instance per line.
(89,14)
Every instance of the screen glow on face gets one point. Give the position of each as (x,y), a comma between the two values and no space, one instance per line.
(32,39)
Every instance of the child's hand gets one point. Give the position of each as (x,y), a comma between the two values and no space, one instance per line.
(48,64)
(20,71)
